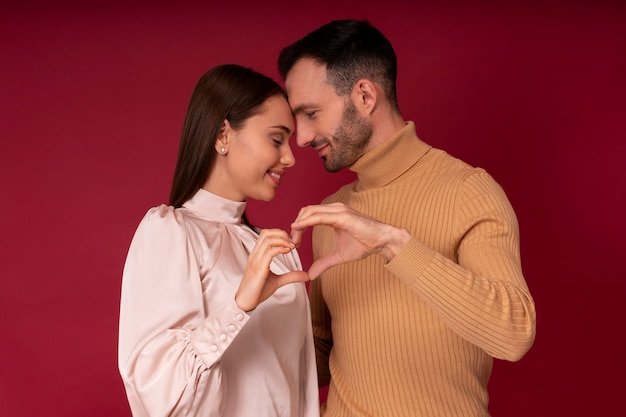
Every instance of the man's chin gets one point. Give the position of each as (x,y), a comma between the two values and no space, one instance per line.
(332,168)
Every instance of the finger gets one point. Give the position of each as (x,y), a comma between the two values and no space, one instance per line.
(264,252)
(291,277)
(301,212)
(296,237)
(268,252)
(324,214)
(322,264)
(333,219)
(272,233)
(268,241)
(260,263)
(312,210)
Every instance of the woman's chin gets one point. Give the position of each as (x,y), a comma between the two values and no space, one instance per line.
(266,197)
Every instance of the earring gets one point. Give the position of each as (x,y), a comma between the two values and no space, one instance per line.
(222,149)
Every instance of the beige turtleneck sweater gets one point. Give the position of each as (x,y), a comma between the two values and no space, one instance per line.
(416,336)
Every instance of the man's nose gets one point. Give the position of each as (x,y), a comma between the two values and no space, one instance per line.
(304,136)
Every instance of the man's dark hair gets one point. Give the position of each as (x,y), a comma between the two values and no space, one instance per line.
(351,50)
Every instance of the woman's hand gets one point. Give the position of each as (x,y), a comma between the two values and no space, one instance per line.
(258,282)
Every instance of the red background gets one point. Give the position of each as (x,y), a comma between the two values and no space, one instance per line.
(92,102)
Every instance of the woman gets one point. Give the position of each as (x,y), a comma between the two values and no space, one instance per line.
(208,326)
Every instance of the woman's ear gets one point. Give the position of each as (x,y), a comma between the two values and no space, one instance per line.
(222,141)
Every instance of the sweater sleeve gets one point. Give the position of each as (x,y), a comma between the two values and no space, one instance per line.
(482,294)
(169,349)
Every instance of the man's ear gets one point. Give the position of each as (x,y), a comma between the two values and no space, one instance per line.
(222,141)
(364,96)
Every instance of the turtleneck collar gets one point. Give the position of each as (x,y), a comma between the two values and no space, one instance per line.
(389,160)
(212,207)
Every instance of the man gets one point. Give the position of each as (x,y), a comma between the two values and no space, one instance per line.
(420,277)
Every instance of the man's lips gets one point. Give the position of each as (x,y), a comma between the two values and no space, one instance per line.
(322,149)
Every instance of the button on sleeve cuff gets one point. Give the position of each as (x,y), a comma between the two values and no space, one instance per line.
(216,333)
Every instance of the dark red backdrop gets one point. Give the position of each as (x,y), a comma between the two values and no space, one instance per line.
(92,101)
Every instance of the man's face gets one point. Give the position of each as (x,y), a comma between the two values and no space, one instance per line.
(325,121)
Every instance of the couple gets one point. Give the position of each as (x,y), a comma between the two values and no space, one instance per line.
(420,278)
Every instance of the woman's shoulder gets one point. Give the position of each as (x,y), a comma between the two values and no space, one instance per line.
(162,219)
(165,220)
(163,214)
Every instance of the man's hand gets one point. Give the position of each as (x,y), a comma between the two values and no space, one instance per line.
(356,235)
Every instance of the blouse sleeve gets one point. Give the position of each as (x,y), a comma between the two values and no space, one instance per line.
(169,351)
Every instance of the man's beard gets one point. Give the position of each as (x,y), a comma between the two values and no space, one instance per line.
(349,141)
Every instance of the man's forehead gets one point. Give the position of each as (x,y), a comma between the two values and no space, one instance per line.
(306,70)
(305,82)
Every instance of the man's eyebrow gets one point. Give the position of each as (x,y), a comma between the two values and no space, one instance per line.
(302,107)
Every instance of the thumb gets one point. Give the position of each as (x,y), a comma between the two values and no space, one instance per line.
(322,264)
(291,277)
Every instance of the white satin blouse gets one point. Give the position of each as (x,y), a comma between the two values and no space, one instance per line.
(185,347)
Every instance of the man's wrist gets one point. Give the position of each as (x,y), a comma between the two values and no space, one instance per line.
(398,238)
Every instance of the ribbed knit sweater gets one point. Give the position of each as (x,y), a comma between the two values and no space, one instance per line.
(417,336)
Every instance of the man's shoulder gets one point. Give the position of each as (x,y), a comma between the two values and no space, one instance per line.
(450,167)
(341,195)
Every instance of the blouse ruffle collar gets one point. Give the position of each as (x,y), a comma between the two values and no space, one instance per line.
(212,207)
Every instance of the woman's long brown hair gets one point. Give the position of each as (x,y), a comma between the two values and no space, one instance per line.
(226,92)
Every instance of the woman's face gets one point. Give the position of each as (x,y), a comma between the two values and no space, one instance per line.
(256,155)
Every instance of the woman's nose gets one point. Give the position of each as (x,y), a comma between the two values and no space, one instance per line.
(287,158)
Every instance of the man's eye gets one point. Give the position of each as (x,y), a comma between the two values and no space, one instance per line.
(309,114)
